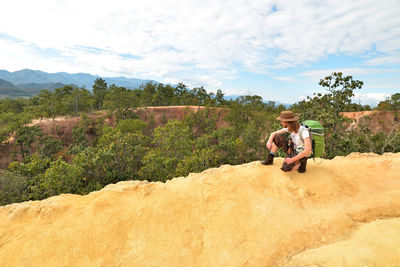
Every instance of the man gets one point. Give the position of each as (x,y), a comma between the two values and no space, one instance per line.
(297,148)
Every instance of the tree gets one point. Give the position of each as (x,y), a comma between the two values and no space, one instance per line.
(219,97)
(47,104)
(131,126)
(60,178)
(13,188)
(80,141)
(394,103)
(117,157)
(326,108)
(12,105)
(383,105)
(172,143)
(26,136)
(78,100)
(164,95)
(228,147)
(149,90)
(10,122)
(37,164)
(238,116)
(201,95)
(50,145)
(121,100)
(340,92)
(99,92)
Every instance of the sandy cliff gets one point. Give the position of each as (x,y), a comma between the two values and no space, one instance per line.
(342,212)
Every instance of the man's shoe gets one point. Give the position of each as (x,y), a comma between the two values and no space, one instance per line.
(269,160)
(303,166)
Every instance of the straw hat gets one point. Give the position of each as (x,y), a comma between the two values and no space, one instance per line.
(287,115)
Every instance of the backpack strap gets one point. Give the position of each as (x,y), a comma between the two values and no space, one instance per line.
(301,133)
(305,127)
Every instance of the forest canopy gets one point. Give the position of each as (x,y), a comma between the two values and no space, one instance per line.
(101,153)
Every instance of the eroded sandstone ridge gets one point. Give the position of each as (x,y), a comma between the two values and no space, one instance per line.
(342,212)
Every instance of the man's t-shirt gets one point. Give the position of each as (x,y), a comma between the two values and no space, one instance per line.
(298,143)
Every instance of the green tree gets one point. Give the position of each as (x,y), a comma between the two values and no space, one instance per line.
(12,105)
(201,95)
(79,100)
(394,103)
(172,143)
(25,137)
(50,146)
(63,91)
(99,92)
(228,147)
(326,108)
(9,123)
(198,161)
(122,101)
(340,92)
(149,90)
(47,105)
(13,188)
(219,97)
(164,95)
(61,177)
(36,164)
(238,116)
(131,126)
(117,157)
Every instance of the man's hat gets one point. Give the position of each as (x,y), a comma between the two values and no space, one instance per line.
(287,115)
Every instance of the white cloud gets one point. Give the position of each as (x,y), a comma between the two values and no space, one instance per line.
(214,38)
(389,59)
(369,98)
(284,78)
(207,81)
(316,75)
(240,91)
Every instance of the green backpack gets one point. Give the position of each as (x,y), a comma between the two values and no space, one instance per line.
(316,137)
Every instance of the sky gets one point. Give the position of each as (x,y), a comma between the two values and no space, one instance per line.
(276,49)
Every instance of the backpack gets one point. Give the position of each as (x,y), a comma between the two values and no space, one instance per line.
(316,132)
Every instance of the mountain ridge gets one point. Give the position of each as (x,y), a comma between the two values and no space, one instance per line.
(48,80)
(79,79)
(8,88)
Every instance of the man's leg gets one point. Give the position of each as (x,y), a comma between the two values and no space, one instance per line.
(296,166)
(274,148)
(279,141)
(300,165)
(290,153)
(303,165)
(270,157)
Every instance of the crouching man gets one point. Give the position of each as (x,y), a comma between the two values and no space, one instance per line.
(297,147)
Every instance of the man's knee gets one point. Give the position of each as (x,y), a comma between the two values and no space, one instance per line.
(279,140)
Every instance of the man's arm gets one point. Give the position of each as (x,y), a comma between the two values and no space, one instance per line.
(302,154)
(272,136)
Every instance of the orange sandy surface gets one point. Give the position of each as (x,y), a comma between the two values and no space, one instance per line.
(341,212)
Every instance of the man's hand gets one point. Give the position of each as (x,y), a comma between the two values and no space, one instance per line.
(289,160)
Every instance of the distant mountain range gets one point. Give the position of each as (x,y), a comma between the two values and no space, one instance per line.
(27,76)
(34,88)
(7,88)
(29,82)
